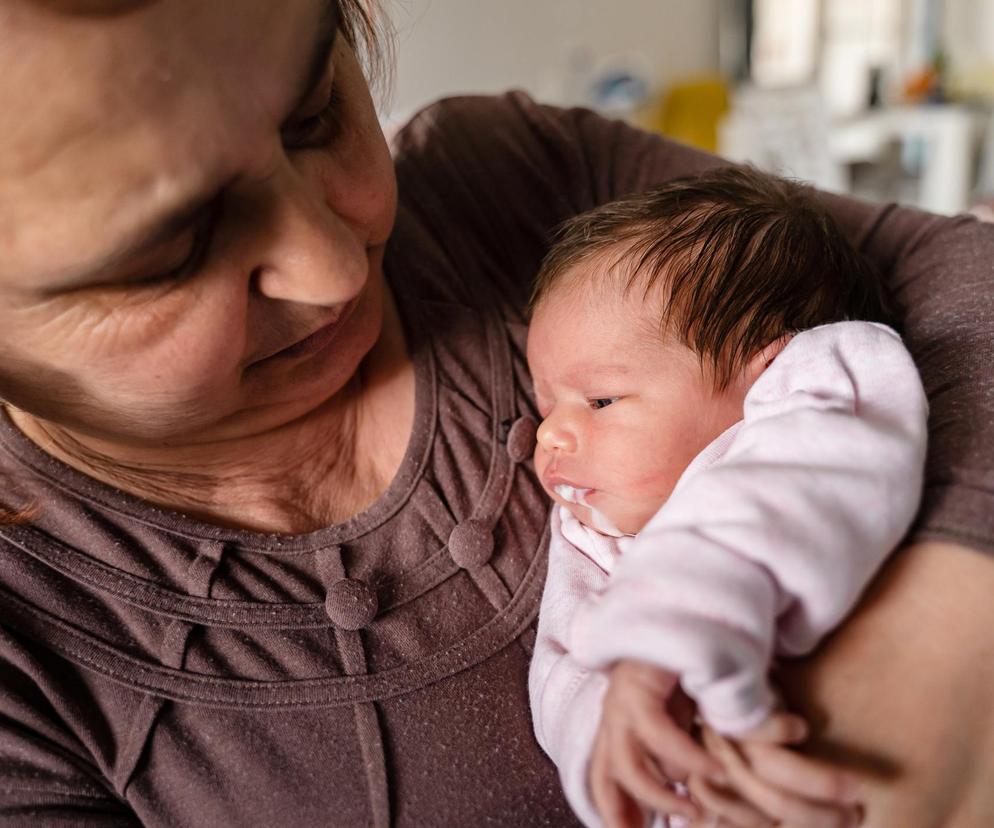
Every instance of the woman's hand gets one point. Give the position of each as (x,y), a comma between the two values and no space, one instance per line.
(643,746)
(770,784)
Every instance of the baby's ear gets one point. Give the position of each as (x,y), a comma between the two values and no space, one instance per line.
(764,357)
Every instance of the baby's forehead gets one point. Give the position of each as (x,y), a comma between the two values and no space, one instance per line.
(597,292)
(580,329)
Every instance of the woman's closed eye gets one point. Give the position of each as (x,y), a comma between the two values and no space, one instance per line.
(602,402)
(315,130)
(185,254)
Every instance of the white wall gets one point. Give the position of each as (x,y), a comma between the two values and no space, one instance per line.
(969,30)
(448,47)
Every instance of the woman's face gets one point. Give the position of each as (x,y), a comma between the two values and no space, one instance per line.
(194,203)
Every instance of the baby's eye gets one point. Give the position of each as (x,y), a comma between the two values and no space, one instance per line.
(602,402)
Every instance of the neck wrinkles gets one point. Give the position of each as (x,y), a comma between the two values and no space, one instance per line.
(306,475)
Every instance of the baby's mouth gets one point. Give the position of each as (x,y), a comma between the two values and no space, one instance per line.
(572,494)
(598,520)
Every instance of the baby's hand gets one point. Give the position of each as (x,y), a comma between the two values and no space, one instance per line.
(789,787)
(643,745)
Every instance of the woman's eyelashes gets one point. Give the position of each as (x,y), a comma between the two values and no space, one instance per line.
(316,130)
(200,241)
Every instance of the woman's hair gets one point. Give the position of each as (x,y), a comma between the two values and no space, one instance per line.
(366,28)
(739,259)
(17,516)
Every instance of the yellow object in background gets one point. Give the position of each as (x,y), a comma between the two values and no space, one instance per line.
(689,112)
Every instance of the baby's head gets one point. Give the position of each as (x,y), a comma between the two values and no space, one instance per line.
(651,318)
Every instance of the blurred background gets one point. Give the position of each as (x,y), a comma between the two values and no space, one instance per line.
(887,99)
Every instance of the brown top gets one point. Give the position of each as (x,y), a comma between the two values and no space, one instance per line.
(155,668)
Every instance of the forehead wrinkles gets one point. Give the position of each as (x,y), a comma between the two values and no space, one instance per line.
(135,108)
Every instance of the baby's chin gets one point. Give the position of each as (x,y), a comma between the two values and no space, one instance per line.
(604,521)
(603,512)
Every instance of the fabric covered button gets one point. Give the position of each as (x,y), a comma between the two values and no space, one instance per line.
(350,604)
(471,544)
(521,438)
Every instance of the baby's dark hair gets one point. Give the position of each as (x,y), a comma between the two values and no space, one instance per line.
(743,257)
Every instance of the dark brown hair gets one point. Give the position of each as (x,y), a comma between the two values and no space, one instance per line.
(742,259)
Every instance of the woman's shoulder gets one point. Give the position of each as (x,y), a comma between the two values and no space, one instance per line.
(480,193)
(590,158)
(485,180)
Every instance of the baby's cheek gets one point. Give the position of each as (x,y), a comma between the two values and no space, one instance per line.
(644,495)
(636,515)
(641,475)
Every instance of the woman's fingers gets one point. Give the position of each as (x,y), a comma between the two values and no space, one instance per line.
(802,774)
(780,729)
(725,806)
(779,804)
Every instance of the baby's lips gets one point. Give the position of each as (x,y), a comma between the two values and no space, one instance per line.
(571,494)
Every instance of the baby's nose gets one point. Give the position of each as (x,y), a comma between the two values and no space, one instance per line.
(555,435)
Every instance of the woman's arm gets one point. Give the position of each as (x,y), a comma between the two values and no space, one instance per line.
(902,694)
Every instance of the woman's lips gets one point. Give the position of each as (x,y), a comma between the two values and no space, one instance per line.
(316,341)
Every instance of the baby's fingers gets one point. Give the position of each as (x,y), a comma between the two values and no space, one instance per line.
(616,808)
(635,772)
(802,775)
(674,748)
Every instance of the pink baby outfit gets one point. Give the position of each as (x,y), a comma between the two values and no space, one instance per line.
(764,546)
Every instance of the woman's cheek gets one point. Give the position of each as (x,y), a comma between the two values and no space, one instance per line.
(197,361)
(100,325)
(187,346)
(358,184)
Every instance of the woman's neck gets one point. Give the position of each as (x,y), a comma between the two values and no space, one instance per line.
(313,472)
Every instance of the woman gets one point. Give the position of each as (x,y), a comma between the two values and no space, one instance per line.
(273,555)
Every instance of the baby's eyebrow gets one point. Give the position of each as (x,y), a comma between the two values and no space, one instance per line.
(612,369)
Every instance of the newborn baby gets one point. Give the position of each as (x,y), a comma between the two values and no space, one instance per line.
(734,443)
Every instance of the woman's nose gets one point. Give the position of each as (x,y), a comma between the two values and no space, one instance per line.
(555,434)
(308,253)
